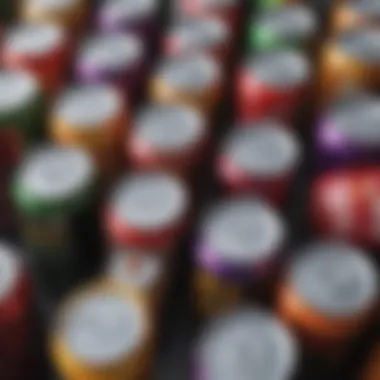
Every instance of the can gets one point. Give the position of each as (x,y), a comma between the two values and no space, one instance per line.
(286,26)
(52,190)
(139,17)
(247,341)
(259,159)
(239,244)
(147,211)
(167,137)
(329,294)
(372,365)
(117,59)
(199,34)
(101,332)
(195,81)
(350,61)
(348,133)
(272,84)
(94,117)
(352,13)
(41,49)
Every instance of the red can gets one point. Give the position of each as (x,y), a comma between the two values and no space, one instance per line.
(147,211)
(272,84)
(42,49)
(259,158)
(346,204)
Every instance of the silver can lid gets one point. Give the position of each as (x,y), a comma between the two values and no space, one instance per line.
(10,270)
(53,172)
(247,344)
(17,89)
(291,21)
(369,8)
(121,10)
(361,43)
(141,270)
(150,201)
(170,128)
(200,33)
(55,5)
(266,149)
(335,278)
(359,120)
(281,68)
(102,328)
(243,230)
(112,52)
(88,106)
(195,73)
(33,38)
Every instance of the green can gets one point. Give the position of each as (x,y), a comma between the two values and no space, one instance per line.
(53,191)
(286,26)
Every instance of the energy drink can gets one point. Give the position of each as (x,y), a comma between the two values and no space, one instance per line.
(147,211)
(287,26)
(329,294)
(102,332)
(272,84)
(41,49)
(240,244)
(167,137)
(195,81)
(259,159)
(247,342)
(52,190)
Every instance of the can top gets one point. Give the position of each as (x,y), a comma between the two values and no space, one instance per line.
(170,128)
(243,230)
(17,89)
(195,33)
(33,38)
(139,269)
(248,343)
(291,21)
(266,149)
(55,4)
(335,278)
(195,73)
(121,10)
(362,43)
(365,7)
(55,173)
(10,267)
(102,328)
(150,200)
(113,52)
(359,120)
(88,106)
(281,68)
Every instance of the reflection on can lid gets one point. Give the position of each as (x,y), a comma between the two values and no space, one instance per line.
(243,230)
(362,43)
(170,128)
(56,4)
(266,149)
(194,73)
(281,68)
(9,270)
(139,269)
(289,21)
(17,88)
(248,343)
(88,106)
(34,39)
(119,10)
(150,200)
(102,328)
(54,172)
(111,51)
(335,278)
(366,7)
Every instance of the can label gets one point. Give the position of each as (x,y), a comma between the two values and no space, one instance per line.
(10,148)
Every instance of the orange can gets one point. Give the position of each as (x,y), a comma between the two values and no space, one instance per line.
(329,294)
(372,367)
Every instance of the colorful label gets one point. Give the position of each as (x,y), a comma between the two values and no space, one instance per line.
(10,148)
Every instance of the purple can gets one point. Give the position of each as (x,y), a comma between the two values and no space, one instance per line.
(349,133)
(117,59)
(248,343)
